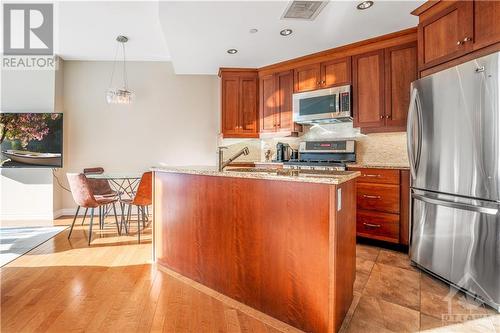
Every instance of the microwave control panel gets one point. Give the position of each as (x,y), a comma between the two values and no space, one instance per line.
(345,102)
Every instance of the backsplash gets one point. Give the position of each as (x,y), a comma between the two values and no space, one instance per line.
(377,148)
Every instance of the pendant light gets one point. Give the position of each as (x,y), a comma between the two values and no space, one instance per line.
(119,95)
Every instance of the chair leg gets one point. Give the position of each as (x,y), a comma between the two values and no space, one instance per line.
(127,220)
(74,220)
(138,225)
(116,220)
(143,211)
(84,215)
(101,215)
(91,223)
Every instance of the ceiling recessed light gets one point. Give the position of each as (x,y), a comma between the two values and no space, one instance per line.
(232,51)
(364,5)
(253,31)
(286,32)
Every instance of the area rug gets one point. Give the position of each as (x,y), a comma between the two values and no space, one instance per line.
(16,241)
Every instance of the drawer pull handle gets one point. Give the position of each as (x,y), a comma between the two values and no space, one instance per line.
(368,175)
(371,196)
(369,225)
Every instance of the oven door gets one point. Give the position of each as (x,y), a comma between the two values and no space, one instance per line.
(320,105)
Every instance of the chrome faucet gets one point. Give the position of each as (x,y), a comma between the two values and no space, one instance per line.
(223,164)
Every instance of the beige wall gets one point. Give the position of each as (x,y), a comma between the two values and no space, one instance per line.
(173,120)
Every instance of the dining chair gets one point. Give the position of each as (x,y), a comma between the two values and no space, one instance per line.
(82,192)
(100,188)
(142,199)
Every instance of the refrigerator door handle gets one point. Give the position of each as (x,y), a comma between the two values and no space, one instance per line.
(414,109)
(457,205)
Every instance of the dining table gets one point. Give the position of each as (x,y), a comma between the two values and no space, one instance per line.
(125,184)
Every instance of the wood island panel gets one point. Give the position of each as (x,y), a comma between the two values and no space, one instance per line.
(261,243)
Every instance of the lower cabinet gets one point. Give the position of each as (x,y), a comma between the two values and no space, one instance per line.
(382,204)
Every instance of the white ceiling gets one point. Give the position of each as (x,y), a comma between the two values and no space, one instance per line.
(195,35)
(87,30)
(199,33)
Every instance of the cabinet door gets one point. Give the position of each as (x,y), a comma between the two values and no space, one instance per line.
(230,105)
(284,91)
(267,103)
(446,35)
(336,72)
(248,106)
(368,89)
(401,71)
(307,77)
(486,23)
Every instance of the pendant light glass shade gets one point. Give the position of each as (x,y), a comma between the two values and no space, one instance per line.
(119,95)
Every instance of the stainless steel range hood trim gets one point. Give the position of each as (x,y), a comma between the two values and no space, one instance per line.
(338,120)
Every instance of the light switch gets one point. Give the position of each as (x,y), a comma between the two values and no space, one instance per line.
(339,199)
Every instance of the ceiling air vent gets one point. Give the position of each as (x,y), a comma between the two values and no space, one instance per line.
(303,10)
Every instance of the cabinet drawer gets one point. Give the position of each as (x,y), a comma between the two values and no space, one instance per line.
(376,225)
(379,197)
(379,176)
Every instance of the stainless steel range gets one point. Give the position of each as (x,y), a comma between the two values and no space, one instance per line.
(323,155)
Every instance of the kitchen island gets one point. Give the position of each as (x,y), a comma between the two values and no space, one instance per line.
(280,242)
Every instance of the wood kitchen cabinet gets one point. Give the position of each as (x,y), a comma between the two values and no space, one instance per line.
(381,87)
(383,204)
(368,89)
(323,75)
(400,72)
(239,90)
(449,30)
(447,34)
(486,23)
(276,104)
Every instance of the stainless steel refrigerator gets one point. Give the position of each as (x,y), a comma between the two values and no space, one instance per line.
(454,153)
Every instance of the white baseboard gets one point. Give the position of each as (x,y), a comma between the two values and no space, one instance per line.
(27,217)
(56,214)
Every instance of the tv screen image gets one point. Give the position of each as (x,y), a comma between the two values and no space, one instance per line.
(29,140)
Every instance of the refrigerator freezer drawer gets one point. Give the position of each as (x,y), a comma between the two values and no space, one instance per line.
(459,243)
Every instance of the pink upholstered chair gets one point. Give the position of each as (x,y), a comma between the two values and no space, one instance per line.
(142,199)
(83,195)
(100,188)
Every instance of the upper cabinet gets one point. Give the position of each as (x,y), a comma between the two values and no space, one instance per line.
(400,72)
(446,34)
(307,78)
(451,29)
(486,23)
(323,75)
(276,92)
(239,92)
(368,90)
(381,87)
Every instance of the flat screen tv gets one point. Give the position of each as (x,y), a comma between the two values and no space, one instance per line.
(31,140)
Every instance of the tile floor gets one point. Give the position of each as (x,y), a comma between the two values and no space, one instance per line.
(392,296)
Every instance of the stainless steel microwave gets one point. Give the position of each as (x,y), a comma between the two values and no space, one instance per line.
(331,105)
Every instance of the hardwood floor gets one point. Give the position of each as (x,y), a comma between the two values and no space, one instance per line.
(64,286)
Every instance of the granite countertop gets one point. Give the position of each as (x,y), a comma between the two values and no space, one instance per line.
(331,178)
(378,165)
